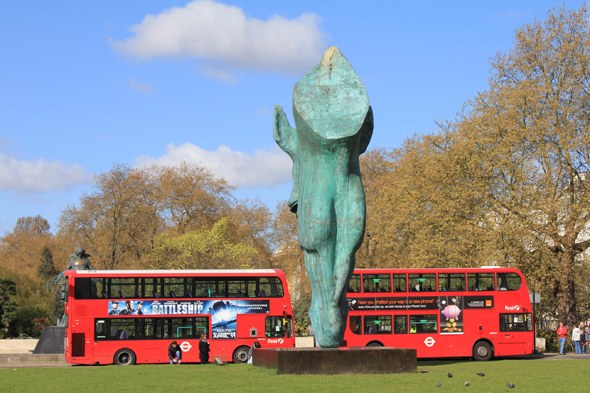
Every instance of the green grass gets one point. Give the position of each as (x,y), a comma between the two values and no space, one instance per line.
(527,375)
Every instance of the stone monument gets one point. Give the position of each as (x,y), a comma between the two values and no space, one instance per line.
(334,124)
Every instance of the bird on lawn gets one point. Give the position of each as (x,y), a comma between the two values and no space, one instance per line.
(466,383)
(481,374)
(438,384)
(510,385)
(449,375)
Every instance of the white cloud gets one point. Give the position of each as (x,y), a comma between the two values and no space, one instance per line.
(39,175)
(263,168)
(141,87)
(225,38)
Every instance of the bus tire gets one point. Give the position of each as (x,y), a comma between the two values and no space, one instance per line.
(482,351)
(241,355)
(374,344)
(124,357)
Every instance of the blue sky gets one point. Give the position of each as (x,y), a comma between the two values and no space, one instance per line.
(84,84)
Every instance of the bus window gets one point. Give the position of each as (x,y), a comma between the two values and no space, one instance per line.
(242,287)
(376,283)
(152,287)
(201,326)
(82,288)
(423,324)
(270,287)
(451,281)
(100,331)
(177,287)
(182,328)
(152,328)
(355,322)
(509,282)
(277,327)
(480,281)
(516,322)
(354,285)
(288,321)
(400,324)
(210,287)
(98,288)
(425,282)
(123,288)
(399,283)
(377,324)
(122,329)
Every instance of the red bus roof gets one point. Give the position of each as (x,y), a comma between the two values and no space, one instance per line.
(143,273)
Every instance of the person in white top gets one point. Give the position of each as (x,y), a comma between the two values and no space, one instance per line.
(576,338)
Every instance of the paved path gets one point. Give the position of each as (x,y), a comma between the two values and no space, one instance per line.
(567,356)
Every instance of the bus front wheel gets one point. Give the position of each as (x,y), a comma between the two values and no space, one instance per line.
(124,357)
(482,351)
(374,344)
(241,355)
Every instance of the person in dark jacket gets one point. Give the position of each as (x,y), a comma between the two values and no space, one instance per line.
(174,351)
(204,349)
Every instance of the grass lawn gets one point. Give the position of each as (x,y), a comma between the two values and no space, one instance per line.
(527,375)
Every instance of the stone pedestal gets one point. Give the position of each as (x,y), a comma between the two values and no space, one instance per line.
(354,360)
(51,340)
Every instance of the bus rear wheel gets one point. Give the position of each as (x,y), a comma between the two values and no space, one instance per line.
(482,351)
(374,344)
(124,357)
(241,355)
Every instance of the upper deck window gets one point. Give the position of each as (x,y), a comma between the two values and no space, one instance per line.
(399,283)
(509,281)
(270,287)
(376,283)
(354,284)
(176,287)
(451,281)
(423,282)
(480,281)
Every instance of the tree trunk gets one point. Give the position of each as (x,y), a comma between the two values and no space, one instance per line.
(566,298)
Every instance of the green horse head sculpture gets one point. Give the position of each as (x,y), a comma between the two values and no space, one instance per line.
(334,124)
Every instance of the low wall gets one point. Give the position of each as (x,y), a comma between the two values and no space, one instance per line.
(305,342)
(17,346)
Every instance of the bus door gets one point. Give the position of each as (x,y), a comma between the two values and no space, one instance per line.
(513,333)
(100,335)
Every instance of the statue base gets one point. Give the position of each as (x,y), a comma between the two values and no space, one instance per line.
(51,340)
(328,361)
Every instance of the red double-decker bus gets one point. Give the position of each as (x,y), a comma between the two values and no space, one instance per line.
(132,316)
(475,312)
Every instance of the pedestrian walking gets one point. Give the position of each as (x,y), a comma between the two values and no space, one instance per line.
(562,335)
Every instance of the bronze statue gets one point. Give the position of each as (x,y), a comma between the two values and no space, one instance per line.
(79,260)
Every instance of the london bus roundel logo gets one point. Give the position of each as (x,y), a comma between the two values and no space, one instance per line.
(429,341)
(185,346)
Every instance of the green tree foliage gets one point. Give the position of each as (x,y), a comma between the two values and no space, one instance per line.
(29,321)
(7,304)
(205,249)
(46,269)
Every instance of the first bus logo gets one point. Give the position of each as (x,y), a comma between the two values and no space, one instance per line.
(512,308)
(276,341)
